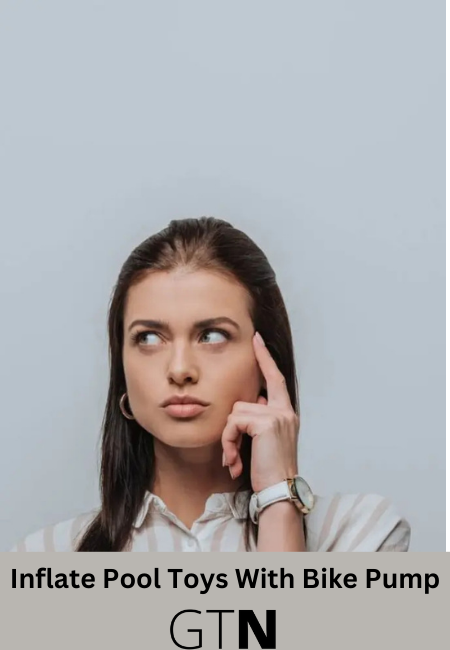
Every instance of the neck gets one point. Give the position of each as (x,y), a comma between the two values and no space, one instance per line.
(185,477)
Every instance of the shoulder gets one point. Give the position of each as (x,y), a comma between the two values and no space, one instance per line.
(60,537)
(356,522)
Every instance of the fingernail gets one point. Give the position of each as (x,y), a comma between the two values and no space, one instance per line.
(224,460)
(231,474)
(259,338)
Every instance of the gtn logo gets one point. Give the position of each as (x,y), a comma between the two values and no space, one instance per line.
(247,620)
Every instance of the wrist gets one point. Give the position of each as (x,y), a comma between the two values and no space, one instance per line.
(280,510)
(274,480)
(281,528)
(291,492)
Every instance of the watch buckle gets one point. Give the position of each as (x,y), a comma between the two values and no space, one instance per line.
(293,495)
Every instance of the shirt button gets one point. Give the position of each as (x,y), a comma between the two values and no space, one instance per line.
(191,543)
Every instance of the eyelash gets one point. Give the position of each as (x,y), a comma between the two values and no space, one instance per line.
(137,336)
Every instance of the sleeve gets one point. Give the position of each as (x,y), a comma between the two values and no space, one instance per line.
(60,537)
(33,542)
(361,523)
(398,539)
(381,527)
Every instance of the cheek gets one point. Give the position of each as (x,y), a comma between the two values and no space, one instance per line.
(141,377)
(241,379)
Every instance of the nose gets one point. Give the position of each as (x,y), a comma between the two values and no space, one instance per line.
(182,366)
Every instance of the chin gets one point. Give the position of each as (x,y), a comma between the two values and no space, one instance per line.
(189,438)
(185,432)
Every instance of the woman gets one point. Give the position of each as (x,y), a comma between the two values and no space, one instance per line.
(183,324)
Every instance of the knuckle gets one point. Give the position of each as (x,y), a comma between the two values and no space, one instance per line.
(291,418)
(275,419)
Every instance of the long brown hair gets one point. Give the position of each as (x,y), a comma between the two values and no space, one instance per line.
(127,452)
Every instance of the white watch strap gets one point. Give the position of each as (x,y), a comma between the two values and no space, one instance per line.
(272,494)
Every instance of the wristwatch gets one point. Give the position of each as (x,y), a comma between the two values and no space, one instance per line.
(294,489)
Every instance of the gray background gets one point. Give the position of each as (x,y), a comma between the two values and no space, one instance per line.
(318,129)
(118,617)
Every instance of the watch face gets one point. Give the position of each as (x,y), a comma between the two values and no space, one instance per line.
(304,492)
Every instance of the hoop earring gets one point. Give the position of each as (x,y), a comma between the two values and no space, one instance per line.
(122,408)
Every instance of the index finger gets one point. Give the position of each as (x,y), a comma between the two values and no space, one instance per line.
(276,384)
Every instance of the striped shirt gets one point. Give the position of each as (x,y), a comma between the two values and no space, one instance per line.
(341,522)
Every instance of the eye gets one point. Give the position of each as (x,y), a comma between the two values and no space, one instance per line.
(138,336)
(222,333)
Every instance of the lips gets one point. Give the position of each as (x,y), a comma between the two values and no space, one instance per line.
(188,410)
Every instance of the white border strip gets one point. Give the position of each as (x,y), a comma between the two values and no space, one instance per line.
(447,545)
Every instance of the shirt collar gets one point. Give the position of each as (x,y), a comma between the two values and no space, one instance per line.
(216,502)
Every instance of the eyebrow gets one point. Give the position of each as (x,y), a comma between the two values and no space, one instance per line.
(201,324)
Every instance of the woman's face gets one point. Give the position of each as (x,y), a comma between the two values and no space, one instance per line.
(215,362)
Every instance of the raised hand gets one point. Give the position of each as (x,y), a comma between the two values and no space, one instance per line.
(273,425)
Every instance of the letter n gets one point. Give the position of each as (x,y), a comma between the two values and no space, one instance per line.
(247,618)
